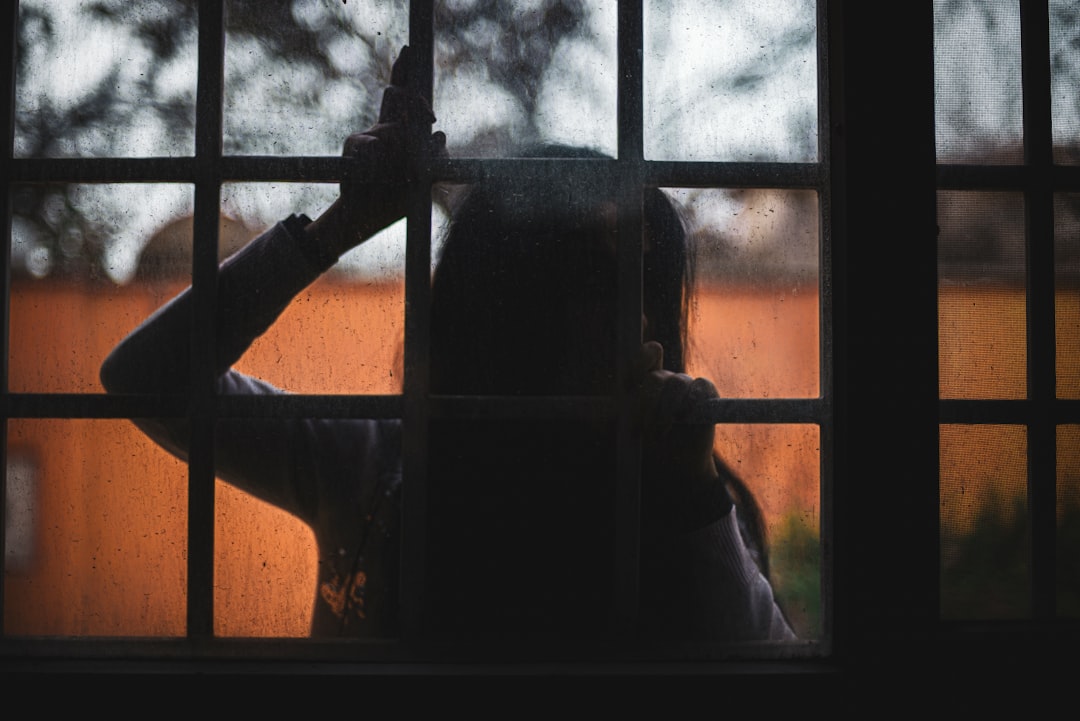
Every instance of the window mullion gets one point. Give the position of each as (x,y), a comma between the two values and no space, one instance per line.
(1039,235)
(416,413)
(628,337)
(208,144)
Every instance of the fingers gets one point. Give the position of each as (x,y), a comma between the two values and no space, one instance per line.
(399,103)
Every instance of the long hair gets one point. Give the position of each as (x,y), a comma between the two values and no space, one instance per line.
(523,303)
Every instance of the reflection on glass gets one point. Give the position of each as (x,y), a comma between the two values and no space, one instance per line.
(985,532)
(981,296)
(731,81)
(88,263)
(754,313)
(1068,521)
(301,76)
(509,75)
(105,523)
(1067,292)
(1064,80)
(780,464)
(977,93)
(344,332)
(105,79)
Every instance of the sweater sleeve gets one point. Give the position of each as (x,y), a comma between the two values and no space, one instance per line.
(705,585)
(262,456)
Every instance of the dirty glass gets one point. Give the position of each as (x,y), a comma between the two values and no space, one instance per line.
(977,85)
(781,465)
(1065,80)
(754,328)
(265,559)
(510,75)
(301,76)
(105,79)
(88,263)
(1068,521)
(1067,292)
(344,332)
(733,81)
(102,521)
(985,532)
(981,295)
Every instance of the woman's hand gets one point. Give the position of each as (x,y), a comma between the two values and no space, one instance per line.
(681,488)
(376,194)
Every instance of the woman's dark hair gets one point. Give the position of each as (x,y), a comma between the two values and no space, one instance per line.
(523,303)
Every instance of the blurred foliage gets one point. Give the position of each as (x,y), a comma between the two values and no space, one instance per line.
(795,556)
(59,236)
(984,573)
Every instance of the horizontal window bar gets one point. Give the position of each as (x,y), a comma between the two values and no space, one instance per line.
(1021,412)
(723,410)
(1007,177)
(333,169)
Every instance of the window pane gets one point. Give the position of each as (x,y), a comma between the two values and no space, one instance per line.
(301,76)
(985,534)
(105,79)
(88,263)
(978,101)
(981,297)
(1067,292)
(108,553)
(265,567)
(1068,520)
(780,464)
(1065,79)
(731,81)
(509,75)
(343,333)
(754,327)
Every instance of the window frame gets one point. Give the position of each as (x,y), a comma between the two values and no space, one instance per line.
(879,377)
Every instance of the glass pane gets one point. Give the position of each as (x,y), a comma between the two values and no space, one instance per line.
(510,75)
(1065,79)
(1067,292)
(731,81)
(344,332)
(105,79)
(103,549)
(981,297)
(780,464)
(985,534)
(265,559)
(301,76)
(88,263)
(1068,521)
(977,93)
(753,327)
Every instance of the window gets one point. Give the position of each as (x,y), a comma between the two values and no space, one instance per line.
(873,412)
(1007,311)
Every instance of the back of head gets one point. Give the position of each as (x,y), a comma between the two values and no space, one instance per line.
(521,535)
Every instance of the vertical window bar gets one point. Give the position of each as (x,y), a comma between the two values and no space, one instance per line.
(825,330)
(417,336)
(1039,233)
(202,410)
(7,87)
(628,444)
